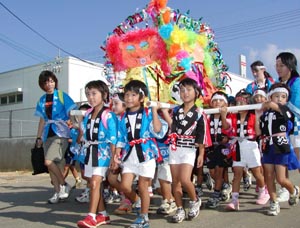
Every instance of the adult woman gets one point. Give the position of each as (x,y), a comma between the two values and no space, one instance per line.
(53,109)
(286,68)
(262,79)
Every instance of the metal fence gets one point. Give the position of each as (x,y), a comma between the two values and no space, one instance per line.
(18,123)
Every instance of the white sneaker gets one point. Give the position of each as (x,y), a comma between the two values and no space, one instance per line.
(64,191)
(84,196)
(274,208)
(166,207)
(54,198)
(194,208)
(283,195)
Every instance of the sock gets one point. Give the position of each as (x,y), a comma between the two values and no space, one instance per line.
(145,216)
(261,190)
(104,213)
(93,215)
(235,196)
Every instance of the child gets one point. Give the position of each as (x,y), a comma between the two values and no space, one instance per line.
(187,136)
(119,108)
(137,130)
(100,137)
(245,152)
(278,154)
(259,96)
(53,108)
(164,176)
(217,155)
(84,197)
(111,193)
(70,159)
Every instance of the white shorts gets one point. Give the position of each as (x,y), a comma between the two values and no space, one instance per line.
(250,155)
(89,170)
(144,169)
(295,140)
(164,172)
(182,155)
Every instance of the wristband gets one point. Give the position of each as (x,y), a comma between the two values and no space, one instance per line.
(38,138)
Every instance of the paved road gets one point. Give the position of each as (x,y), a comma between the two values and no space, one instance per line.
(23,204)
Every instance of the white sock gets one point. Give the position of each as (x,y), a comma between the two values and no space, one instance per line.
(104,213)
(93,215)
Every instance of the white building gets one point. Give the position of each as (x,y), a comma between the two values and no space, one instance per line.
(19,91)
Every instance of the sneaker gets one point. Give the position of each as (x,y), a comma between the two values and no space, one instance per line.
(199,191)
(194,208)
(294,198)
(283,195)
(54,198)
(166,207)
(101,219)
(124,208)
(247,181)
(208,181)
(84,196)
(108,197)
(179,215)
(116,197)
(233,206)
(226,191)
(64,191)
(213,202)
(274,208)
(172,207)
(87,222)
(140,222)
(263,198)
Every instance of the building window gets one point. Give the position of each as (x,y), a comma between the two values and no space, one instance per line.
(11,98)
(19,97)
(4,100)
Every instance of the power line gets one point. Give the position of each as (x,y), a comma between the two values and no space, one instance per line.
(286,13)
(43,37)
(259,26)
(24,50)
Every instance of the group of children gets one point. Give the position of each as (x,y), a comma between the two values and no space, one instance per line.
(132,142)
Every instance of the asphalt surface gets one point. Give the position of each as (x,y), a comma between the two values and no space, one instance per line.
(23,203)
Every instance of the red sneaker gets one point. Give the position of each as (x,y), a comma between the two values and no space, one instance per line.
(102,220)
(87,222)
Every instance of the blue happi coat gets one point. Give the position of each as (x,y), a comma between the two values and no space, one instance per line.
(60,114)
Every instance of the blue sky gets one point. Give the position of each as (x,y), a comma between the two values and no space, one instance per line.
(257,29)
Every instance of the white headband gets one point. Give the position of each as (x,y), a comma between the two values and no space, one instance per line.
(260,67)
(219,97)
(278,90)
(260,92)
